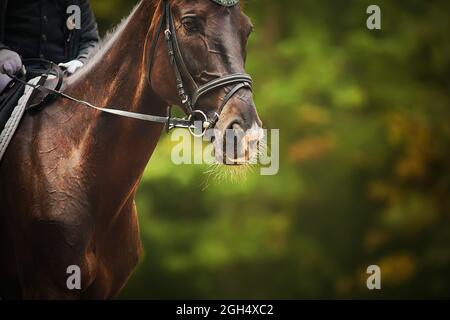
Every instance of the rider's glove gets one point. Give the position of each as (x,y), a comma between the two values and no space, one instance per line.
(10,61)
(72,66)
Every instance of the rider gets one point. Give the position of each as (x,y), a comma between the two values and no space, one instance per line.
(45,29)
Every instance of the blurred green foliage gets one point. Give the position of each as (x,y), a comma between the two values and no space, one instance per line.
(364,176)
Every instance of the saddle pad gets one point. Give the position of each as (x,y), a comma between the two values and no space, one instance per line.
(13,122)
(8,101)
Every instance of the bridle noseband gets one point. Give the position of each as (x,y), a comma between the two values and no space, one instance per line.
(189,103)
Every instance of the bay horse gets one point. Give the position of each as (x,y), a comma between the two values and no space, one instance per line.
(69,178)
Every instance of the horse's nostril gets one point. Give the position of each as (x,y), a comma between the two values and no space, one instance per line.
(235,131)
(235,126)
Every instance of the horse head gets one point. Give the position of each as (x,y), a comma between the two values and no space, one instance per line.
(206,41)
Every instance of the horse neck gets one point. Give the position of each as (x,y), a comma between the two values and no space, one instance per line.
(117,75)
(118,148)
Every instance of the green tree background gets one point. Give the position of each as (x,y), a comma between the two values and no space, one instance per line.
(364,176)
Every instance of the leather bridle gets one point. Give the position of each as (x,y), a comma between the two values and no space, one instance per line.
(190,102)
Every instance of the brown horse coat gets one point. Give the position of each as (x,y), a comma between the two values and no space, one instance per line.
(69,177)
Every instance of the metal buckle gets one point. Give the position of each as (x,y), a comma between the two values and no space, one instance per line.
(185,99)
(189,123)
(205,124)
(168,34)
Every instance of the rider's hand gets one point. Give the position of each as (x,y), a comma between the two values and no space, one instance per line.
(10,61)
(72,66)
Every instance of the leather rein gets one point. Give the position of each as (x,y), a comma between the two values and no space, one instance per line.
(189,103)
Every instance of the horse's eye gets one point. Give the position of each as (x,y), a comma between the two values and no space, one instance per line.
(190,23)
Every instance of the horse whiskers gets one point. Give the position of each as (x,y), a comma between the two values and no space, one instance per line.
(234,174)
(224,173)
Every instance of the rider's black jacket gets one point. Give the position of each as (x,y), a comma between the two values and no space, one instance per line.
(37,29)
